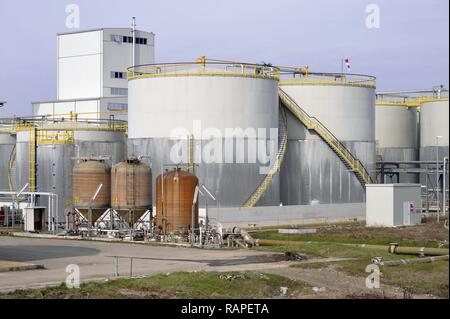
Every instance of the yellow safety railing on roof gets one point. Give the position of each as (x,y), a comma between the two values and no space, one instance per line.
(55,137)
(204,66)
(54,124)
(275,168)
(340,149)
(292,77)
(407,102)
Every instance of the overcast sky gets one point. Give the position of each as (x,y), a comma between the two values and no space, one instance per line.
(410,49)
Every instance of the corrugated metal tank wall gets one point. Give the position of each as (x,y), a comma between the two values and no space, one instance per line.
(434,121)
(312,173)
(55,163)
(397,136)
(159,105)
(7,142)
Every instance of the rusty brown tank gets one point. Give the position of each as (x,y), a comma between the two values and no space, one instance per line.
(131,189)
(174,201)
(87,176)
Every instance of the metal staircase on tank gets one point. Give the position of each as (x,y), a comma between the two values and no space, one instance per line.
(282,143)
(312,123)
(32,160)
(11,169)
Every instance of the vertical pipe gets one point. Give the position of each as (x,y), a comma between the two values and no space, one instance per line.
(134,42)
(49,213)
(437,179)
(444,186)
(131,267)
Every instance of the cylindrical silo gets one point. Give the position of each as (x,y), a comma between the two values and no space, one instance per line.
(46,153)
(345,105)
(434,130)
(175,191)
(396,134)
(7,159)
(226,106)
(434,136)
(131,189)
(88,175)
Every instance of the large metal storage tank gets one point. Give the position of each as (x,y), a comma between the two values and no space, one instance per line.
(174,198)
(169,101)
(131,189)
(57,144)
(434,121)
(87,177)
(396,133)
(345,104)
(7,144)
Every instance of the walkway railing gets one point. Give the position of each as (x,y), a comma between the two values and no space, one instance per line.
(204,66)
(312,123)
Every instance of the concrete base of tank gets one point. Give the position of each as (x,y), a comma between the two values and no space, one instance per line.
(401,154)
(287,215)
(313,174)
(233,183)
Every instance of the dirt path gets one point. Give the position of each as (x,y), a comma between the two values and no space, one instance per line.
(332,283)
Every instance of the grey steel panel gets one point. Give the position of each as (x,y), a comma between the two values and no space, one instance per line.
(401,154)
(234,182)
(313,174)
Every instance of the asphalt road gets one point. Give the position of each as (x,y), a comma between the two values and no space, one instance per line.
(94,263)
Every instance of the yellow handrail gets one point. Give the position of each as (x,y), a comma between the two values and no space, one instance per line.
(357,80)
(55,137)
(408,102)
(204,66)
(262,188)
(12,159)
(312,123)
(32,160)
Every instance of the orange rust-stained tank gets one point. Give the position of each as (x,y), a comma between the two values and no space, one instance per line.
(131,189)
(174,201)
(87,176)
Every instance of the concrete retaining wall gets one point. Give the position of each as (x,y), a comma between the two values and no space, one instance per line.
(287,215)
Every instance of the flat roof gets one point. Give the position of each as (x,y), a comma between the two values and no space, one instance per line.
(100,29)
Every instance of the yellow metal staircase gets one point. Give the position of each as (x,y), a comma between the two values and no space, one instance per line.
(311,123)
(11,166)
(282,143)
(32,160)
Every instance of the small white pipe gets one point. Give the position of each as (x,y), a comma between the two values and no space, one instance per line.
(444,186)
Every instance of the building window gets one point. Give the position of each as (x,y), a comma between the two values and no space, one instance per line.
(116,38)
(117,107)
(118,75)
(119,91)
(127,39)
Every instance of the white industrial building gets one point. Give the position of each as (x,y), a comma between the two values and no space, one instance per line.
(92,72)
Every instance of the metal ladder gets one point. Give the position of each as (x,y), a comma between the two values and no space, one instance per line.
(312,123)
(282,143)
(11,169)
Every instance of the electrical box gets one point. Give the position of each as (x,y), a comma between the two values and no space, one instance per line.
(33,218)
(390,205)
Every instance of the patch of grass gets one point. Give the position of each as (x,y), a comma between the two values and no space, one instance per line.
(424,278)
(428,234)
(380,239)
(428,278)
(176,285)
